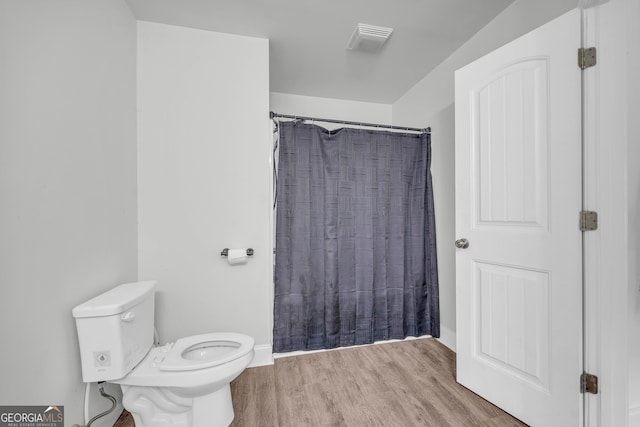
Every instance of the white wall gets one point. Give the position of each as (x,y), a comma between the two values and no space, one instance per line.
(329,108)
(204,180)
(430,103)
(67,185)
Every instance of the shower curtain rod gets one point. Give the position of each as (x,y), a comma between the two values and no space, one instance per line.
(273,115)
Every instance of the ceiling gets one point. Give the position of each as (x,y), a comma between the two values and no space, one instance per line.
(308,38)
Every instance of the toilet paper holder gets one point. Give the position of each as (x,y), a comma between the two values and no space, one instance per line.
(225,252)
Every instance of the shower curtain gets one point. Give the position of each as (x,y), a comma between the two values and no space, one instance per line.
(355,238)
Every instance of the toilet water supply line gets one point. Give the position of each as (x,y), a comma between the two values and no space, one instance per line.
(87,390)
(102,414)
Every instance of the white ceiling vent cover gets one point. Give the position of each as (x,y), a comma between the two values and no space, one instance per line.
(368,38)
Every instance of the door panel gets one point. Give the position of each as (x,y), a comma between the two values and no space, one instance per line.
(508,116)
(518,197)
(512,332)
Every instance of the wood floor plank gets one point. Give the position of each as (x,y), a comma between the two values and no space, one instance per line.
(363,391)
(445,382)
(254,398)
(504,420)
(404,384)
(125,420)
(419,384)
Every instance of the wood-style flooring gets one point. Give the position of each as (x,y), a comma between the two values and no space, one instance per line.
(125,420)
(405,384)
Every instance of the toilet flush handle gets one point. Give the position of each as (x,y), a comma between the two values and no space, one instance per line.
(128,316)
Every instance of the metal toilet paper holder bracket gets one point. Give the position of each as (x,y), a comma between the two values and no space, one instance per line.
(225,252)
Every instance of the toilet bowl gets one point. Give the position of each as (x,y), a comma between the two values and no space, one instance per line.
(205,351)
(186,383)
(181,384)
(221,354)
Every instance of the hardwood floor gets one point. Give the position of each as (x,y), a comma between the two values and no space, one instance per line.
(125,420)
(408,383)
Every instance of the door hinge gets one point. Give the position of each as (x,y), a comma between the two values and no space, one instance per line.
(588,221)
(586,57)
(588,383)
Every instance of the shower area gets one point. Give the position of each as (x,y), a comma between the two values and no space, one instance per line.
(355,243)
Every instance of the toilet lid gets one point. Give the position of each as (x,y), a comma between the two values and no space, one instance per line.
(205,351)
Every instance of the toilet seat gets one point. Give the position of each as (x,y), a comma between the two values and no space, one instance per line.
(204,351)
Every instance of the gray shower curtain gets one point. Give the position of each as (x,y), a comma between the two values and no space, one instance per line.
(355,238)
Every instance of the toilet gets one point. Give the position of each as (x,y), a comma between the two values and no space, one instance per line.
(181,384)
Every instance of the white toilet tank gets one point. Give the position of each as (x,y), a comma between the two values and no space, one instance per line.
(115,330)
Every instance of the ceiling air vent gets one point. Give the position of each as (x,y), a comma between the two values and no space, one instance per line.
(368,38)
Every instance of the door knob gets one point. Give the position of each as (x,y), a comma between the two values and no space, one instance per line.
(462,243)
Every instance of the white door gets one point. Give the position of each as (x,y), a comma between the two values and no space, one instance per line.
(518,198)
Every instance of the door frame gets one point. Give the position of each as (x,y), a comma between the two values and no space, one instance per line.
(609,180)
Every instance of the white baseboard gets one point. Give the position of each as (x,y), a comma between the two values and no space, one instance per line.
(448,337)
(262,356)
(634,416)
